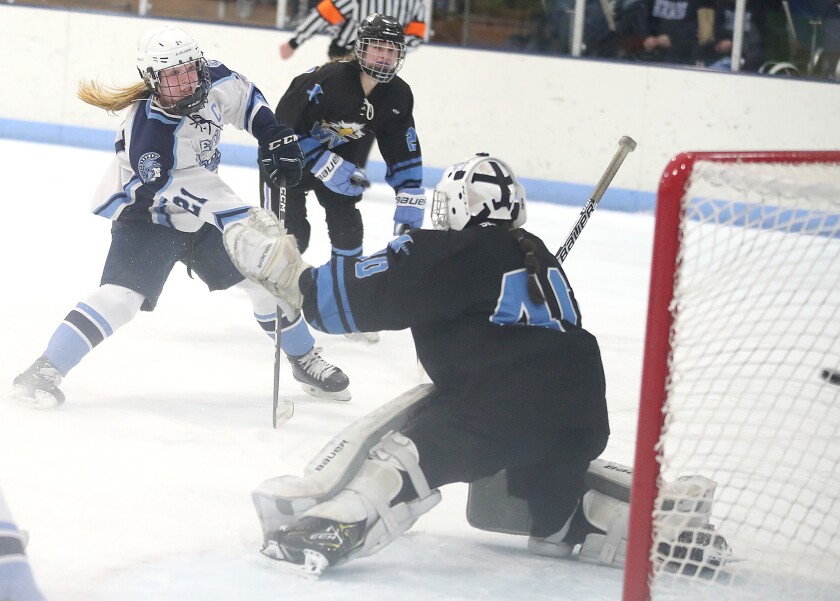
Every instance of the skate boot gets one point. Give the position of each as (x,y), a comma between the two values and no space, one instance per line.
(315,543)
(319,377)
(38,385)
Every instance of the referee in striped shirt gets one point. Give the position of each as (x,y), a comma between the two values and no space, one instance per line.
(342,18)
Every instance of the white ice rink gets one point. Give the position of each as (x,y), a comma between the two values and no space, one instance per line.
(138,488)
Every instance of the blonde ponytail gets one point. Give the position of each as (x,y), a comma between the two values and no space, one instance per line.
(111,99)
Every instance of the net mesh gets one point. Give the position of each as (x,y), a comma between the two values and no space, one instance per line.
(756,319)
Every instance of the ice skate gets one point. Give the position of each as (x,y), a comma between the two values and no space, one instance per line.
(38,385)
(369,337)
(314,543)
(319,377)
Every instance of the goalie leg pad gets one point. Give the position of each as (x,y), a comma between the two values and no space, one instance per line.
(359,520)
(394,455)
(378,482)
(683,504)
(284,499)
(612,516)
(490,507)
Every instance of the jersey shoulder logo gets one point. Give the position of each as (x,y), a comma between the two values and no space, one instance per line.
(149,167)
(313,93)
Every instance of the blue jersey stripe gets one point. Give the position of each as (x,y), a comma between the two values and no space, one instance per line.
(342,290)
(328,304)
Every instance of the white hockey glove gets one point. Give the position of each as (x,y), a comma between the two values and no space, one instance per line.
(411,206)
(264,253)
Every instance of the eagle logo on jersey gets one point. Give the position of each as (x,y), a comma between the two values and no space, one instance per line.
(335,134)
(149,167)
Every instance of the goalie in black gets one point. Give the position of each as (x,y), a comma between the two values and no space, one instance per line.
(518,388)
(518,382)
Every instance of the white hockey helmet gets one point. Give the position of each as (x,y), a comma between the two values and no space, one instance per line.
(165,47)
(483,188)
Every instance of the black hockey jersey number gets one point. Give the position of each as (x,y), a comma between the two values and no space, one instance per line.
(187,203)
(514,306)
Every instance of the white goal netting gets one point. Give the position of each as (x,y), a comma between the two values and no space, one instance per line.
(756,320)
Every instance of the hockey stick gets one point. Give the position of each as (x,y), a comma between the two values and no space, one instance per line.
(281,409)
(626,145)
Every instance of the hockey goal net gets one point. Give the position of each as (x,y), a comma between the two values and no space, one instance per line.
(743,317)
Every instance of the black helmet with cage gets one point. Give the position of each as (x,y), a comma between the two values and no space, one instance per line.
(380,47)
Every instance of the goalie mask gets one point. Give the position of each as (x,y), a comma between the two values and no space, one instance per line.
(482,188)
(380,47)
(174,69)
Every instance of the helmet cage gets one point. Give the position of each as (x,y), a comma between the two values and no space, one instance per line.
(479,189)
(166,47)
(188,104)
(380,36)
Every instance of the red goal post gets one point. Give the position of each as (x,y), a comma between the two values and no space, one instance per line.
(755,207)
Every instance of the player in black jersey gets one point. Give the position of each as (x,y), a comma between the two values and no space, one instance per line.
(333,108)
(518,383)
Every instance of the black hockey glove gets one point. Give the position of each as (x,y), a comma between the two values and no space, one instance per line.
(280,156)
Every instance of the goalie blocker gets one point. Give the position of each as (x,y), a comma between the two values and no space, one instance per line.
(350,503)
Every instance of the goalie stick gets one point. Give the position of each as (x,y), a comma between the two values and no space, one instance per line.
(626,145)
(283,409)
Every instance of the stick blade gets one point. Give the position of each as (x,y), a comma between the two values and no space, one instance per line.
(283,412)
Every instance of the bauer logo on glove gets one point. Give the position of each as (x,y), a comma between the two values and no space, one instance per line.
(411,206)
(339,175)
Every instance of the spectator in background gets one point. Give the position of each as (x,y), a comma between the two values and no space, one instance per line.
(826,62)
(614,28)
(717,53)
(674,30)
(611,28)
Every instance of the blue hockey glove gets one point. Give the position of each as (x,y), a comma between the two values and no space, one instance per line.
(280,156)
(340,176)
(411,205)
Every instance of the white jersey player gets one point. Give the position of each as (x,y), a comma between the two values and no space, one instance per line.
(168,204)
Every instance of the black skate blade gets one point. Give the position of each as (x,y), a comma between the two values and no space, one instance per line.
(312,568)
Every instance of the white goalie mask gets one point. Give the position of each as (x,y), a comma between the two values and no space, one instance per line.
(162,55)
(483,188)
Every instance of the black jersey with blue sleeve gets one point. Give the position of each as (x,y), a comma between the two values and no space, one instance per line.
(478,334)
